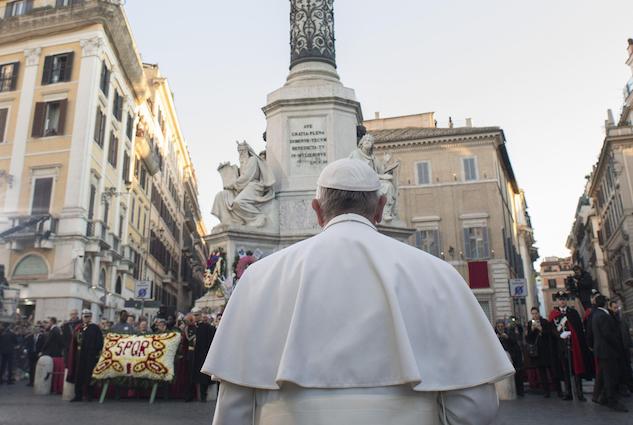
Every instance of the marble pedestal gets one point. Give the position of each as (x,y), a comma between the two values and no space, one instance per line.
(311,121)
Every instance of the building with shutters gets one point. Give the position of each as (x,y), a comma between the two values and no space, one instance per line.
(600,239)
(553,272)
(97,189)
(457,189)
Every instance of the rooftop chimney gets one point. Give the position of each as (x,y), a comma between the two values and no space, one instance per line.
(377,115)
(450,122)
(469,122)
(609,122)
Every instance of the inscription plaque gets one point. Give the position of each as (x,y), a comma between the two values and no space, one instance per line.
(307,141)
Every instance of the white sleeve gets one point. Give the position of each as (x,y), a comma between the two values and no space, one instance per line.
(235,405)
(470,406)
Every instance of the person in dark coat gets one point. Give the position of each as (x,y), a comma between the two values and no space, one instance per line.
(512,347)
(8,342)
(122,326)
(84,355)
(34,342)
(584,285)
(67,334)
(203,334)
(54,344)
(626,373)
(607,343)
(573,352)
(543,337)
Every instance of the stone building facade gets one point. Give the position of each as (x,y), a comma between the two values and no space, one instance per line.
(458,191)
(601,235)
(584,243)
(94,172)
(553,272)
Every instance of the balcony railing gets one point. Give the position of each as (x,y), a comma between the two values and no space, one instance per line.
(29,226)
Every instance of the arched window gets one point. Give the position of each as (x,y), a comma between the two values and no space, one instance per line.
(102,278)
(88,271)
(117,286)
(31,265)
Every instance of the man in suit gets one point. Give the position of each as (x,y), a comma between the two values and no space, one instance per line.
(54,345)
(203,334)
(607,347)
(34,343)
(67,333)
(8,342)
(626,373)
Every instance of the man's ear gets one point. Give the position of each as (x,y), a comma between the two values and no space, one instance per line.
(319,212)
(382,201)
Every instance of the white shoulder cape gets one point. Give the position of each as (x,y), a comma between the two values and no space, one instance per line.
(353,308)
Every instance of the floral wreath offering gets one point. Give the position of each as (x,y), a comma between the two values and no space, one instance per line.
(137,357)
(216,270)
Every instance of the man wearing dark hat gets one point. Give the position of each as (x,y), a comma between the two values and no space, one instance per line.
(572,345)
(86,347)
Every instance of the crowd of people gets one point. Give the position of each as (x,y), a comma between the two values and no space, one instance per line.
(570,347)
(76,344)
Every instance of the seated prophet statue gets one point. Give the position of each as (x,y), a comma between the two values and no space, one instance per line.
(247,190)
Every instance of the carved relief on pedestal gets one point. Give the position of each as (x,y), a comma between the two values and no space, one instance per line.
(297,214)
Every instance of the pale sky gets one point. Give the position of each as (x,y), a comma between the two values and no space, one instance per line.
(544,71)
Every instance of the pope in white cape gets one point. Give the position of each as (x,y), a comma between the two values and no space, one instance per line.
(354,327)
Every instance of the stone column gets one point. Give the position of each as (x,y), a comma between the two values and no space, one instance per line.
(32,60)
(76,197)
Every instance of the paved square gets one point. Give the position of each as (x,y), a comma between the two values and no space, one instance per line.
(18,406)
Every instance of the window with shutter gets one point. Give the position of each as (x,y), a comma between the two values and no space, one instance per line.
(104,83)
(8,10)
(4,114)
(424,172)
(476,244)
(129,131)
(16,73)
(42,191)
(48,68)
(117,107)
(126,167)
(58,68)
(100,122)
(61,122)
(38,120)
(9,76)
(143,178)
(113,150)
(121,222)
(54,117)
(106,213)
(118,286)
(470,168)
(18,8)
(428,241)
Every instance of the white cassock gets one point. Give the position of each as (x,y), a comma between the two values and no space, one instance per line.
(354,327)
